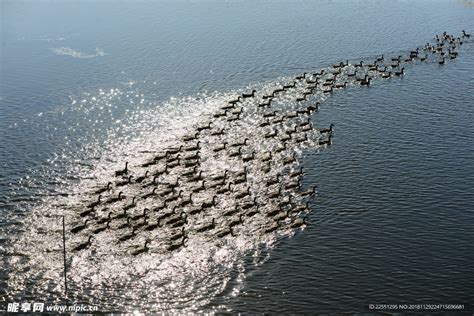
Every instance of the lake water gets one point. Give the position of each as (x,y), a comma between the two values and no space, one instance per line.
(86,86)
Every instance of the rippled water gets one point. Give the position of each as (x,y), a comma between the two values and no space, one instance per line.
(86,87)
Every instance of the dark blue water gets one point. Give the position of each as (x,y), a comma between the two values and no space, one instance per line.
(83,86)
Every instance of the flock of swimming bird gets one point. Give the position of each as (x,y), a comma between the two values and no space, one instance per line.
(216,182)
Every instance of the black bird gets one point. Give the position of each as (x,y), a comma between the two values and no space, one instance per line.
(124,182)
(102,190)
(205,205)
(188,138)
(94,204)
(243,194)
(105,219)
(464,34)
(101,229)
(84,245)
(142,250)
(204,127)
(399,73)
(309,192)
(173,247)
(224,232)
(123,171)
(248,95)
(79,227)
(326,130)
(289,160)
(128,236)
(178,235)
(206,227)
(298,173)
(326,142)
(116,199)
(141,178)
(272,227)
(239,144)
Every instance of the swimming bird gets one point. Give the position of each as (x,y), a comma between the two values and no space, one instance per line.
(301,138)
(79,227)
(302,208)
(205,205)
(105,219)
(289,160)
(366,82)
(104,189)
(173,247)
(242,194)
(188,138)
(179,234)
(149,194)
(124,182)
(281,216)
(189,172)
(218,132)
(299,77)
(397,58)
(299,222)
(123,171)
(231,211)
(272,227)
(200,188)
(221,176)
(160,172)
(119,197)
(224,232)
(193,147)
(101,229)
(293,185)
(207,227)
(271,134)
(141,178)
(296,174)
(142,250)
(188,201)
(326,142)
(387,74)
(128,236)
(247,205)
(236,222)
(154,226)
(442,61)
(309,192)
(129,206)
(242,173)
(464,34)
(267,156)
(142,215)
(399,73)
(94,204)
(224,189)
(204,127)
(267,103)
(274,194)
(326,130)
(273,181)
(235,153)
(239,144)
(249,95)
(233,102)
(83,245)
